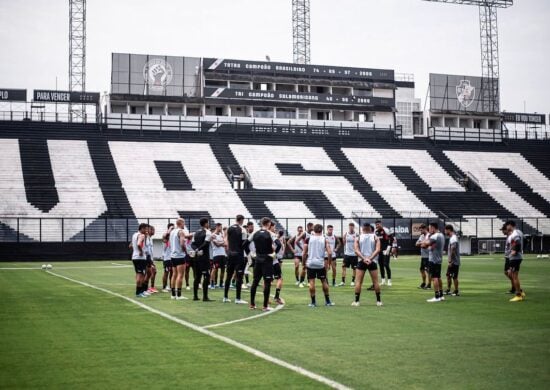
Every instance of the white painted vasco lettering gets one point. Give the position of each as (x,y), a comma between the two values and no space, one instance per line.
(212,192)
(373,165)
(76,183)
(260,162)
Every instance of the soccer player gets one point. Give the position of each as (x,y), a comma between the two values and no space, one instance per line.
(235,240)
(250,253)
(218,253)
(334,244)
(424,253)
(263,266)
(453,253)
(151,267)
(507,250)
(178,241)
(201,245)
(166,259)
(350,258)
(515,241)
(139,260)
(297,248)
(386,245)
(367,248)
(280,247)
(435,243)
(301,239)
(314,258)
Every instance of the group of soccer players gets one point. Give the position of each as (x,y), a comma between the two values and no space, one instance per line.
(212,253)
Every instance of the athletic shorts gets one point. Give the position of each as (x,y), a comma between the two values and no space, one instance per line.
(298,257)
(363,266)
(277,271)
(506,264)
(236,261)
(435,270)
(140,266)
(350,261)
(515,265)
(333,259)
(219,262)
(167,265)
(264,269)
(316,273)
(202,266)
(452,270)
(178,261)
(424,264)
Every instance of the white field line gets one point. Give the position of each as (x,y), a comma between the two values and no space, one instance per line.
(263,314)
(227,340)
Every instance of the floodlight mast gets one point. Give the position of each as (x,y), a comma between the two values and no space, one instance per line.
(301,31)
(77,54)
(488,31)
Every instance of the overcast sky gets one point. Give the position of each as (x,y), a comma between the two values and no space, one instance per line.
(410,36)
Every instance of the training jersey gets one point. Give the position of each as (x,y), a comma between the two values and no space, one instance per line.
(507,248)
(367,245)
(437,243)
(316,251)
(263,242)
(281,252)
(236,236)
(135,249)
(424,252)
(516,244)
(149,246)
(177,251)
(454,243)
(167,252)
(332,243)
(298,246)
(217,250)
(385,237)
(349,244)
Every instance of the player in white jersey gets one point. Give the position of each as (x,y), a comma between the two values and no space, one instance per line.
(454,260)
(515,244)
(302,239)
(334,243)
(178,241)
(367,248)
(280,245)
(139,260)
(250,253)
(151,267)
(314,259)
(217,246)
(166,258)
(297,248)
(350,258)
(424,260)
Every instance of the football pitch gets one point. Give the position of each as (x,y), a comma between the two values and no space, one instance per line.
(79,326)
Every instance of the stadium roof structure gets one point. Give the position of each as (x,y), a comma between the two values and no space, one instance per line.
(486,3)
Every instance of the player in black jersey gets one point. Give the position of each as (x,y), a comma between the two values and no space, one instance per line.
(235,243)
(297,248)
(201,265)
(386,244)
(263,266)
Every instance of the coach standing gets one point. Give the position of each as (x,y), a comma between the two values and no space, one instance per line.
(235,241)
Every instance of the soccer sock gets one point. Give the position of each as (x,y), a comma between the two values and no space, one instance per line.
(138,290)
(357,296)
(302,279)
(246,278)
(440,293)
(205,284)
(333,281)
(277,292)
(437,294)
(353,279)
(173,292)
(239,288)
(327,298)
(377,297)
(343,280)
(178,292)
(313,299)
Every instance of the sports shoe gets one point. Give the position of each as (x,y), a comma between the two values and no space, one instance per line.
(389,282)
(145,294)
(188,288)
(153,290)
(429,287)
(312,305)
(434,299)
(371,288)
(268,308)
(442,298)
(341,284)
(456,294)
(173,297)
(252,307)
(181,298)
(383,282)
(329,303)
(226,300)
(379,304)
(279,301)
(352,284)
(211,287)
(241,302)
(140,295)
(297,283)
(301,285)
(245,286)
(355,304)
(166,289)
(517,298)
(523,294)
(422,286)
(447,292)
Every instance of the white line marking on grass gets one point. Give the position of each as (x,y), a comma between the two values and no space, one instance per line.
(263,314)
(19,268)
(57,267)
(227,340)
(119,264)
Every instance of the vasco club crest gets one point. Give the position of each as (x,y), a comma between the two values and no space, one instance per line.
(465,93)
(157,74)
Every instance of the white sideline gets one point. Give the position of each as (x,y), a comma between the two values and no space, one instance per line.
(227,340)
(277,308)
(40,268)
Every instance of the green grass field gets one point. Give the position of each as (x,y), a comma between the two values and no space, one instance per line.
(55,333)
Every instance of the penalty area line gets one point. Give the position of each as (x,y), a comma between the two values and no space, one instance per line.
(203,330)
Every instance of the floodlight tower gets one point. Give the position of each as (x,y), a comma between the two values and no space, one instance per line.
(77,53)
(300,31)
(488,31)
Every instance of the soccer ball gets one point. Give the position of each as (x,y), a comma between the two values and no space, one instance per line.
(49,266)
(43,266)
